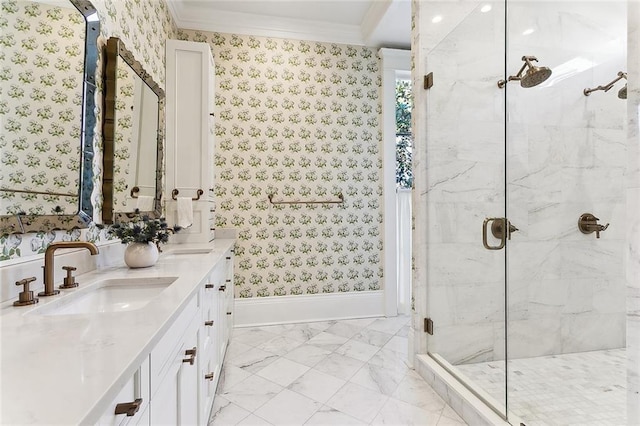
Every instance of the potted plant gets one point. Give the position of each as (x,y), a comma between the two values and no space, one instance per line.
(143,236)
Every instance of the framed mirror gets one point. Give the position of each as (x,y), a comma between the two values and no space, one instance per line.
(132,130)
(47,81)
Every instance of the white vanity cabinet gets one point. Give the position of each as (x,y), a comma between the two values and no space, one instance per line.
(132,401)
(174,371)
(190,101)
(177,381)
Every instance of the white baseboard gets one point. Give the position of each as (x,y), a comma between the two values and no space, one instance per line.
(306,308)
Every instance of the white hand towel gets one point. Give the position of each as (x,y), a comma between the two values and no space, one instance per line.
(185,212)
(144,203)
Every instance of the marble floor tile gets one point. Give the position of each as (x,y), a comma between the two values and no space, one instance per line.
(253,420)
(288,408)
(225,412)
(254,337)
(340,366)
(253,360)
(316,385)
(415,391)
(283,371)
(321,325)
(396,412)
(358,402)
(236,348)
(327,341)
(380,379)
(314,374)
(398,344)
(327,416)
(357,350)
(279,345)
(252,392)
(373,337)
(389,359)
(576,388)
(302,332)
(231,376)
(389,325)
(343,329)
(308,355)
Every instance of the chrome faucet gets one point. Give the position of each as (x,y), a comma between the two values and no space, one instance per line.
(49,286)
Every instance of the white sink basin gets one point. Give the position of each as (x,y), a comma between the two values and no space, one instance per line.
(110,295)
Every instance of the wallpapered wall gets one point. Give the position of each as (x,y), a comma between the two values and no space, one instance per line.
(41,81)
(299,120)
(143,26)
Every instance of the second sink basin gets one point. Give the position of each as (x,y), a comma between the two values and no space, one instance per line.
(110,295)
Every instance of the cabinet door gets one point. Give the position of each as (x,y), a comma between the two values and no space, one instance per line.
(136,388)
(189,138)
(176,399)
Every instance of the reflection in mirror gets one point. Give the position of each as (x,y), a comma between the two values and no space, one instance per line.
(47,88)
(132,137)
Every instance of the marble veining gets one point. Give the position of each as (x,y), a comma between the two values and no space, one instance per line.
(88,356)
(354,384)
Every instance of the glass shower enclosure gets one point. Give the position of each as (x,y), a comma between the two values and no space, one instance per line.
(526,152)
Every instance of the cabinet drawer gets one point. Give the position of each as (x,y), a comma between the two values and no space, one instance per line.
(137,387)
(165,350)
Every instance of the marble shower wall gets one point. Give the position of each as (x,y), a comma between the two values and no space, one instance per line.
(632,242)
(566,155)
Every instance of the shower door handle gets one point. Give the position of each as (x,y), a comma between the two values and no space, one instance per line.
(503,238)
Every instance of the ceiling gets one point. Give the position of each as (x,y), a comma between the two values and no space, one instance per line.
(374,23)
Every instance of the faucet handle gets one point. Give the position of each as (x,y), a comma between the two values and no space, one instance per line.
(26,296)
(69,280)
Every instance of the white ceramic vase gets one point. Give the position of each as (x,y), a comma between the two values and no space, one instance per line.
(141,255)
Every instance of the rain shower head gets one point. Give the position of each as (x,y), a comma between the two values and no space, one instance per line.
(622,93)
(534,75)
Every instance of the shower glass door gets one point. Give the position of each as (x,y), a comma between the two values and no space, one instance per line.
(565,157)
(466,184)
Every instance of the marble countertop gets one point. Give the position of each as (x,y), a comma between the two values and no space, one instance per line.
(65,369)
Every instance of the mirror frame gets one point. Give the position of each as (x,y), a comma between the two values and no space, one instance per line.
(23,223)
(114,50)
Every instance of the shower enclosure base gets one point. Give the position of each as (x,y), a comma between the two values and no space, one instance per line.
(473,410)
(587,388)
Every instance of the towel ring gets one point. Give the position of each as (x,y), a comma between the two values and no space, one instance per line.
(175,192)
(134,192)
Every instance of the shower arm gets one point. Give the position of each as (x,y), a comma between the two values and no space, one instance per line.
(607,87)
(527,63)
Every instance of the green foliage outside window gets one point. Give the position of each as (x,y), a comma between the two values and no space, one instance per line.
(404,138)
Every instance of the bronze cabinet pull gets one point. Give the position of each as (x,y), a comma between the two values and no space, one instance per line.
(208,323)
(208,376)
(222,288)
(191,353)
(208,286)
(129,408)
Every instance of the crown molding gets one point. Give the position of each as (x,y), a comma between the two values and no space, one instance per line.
(258,25)
(374,15)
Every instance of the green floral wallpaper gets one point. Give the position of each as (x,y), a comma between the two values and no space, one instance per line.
(143,25)
(300,120)
(41,63)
